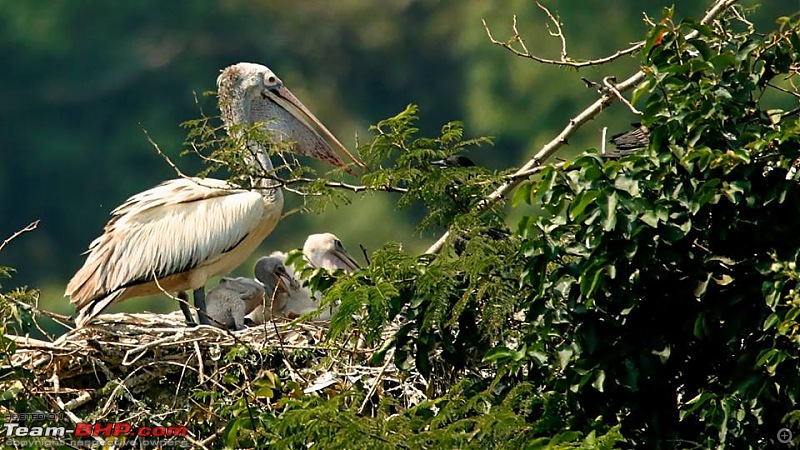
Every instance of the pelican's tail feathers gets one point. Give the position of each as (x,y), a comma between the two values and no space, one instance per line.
(91,310)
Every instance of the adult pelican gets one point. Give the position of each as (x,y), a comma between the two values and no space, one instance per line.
(175,236)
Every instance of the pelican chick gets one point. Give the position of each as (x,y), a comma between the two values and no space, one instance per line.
(326,251)
(231,300)
(279,286)
(323,250)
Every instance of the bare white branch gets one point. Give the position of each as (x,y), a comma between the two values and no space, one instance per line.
(523,52)
(557,23)
(608,84)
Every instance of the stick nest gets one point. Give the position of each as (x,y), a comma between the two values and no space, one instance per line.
(139,367)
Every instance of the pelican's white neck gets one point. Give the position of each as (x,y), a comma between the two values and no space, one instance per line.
(235,105)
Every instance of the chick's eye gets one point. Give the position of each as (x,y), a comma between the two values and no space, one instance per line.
(271,79)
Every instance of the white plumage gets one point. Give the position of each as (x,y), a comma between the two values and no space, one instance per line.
(325,250)
(184,231)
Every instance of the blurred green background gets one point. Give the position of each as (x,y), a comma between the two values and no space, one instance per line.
(82,78)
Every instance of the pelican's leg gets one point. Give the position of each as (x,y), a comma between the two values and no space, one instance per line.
(187,312)
(200,303)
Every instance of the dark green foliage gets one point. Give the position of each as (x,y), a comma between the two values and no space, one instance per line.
(398,158)
(663,293)
(16,320)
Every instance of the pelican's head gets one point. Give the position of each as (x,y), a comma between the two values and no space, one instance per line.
(271,272)
(325,250)
(251,93)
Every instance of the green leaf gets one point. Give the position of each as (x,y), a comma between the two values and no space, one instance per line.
(522,194)
(650,218)
(702,47)
(643,88)
(610,212)
(581,202)
(599,381)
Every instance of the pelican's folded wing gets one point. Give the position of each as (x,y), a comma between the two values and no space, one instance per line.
(165,230)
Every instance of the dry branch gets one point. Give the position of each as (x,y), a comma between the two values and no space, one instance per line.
(565,60)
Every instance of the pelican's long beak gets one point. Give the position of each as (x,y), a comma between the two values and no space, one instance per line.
(287,283)
(284,97)
(347,261)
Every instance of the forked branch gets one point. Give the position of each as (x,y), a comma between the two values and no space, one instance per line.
(517,46)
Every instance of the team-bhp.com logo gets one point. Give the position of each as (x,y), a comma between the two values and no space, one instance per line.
(121,430)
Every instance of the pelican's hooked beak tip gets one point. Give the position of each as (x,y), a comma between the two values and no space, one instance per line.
(341,148)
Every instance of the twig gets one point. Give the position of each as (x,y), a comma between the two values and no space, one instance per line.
(603,141)
(281,342)
(162,154)
(201,369)
(78,401)
(774,86)
(574,124)
(364,251)
(740,17)
(608,83)
(59,318)
(72,417)
(374,386)
(30,227)
(565,60)
(346,186)
(558,32)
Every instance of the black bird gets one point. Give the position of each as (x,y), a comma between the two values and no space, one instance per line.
(454,161)
(629,141)
(493,233)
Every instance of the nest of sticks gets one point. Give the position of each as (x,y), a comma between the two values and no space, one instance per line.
(127,367)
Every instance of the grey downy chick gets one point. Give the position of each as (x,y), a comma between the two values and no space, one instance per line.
(231,300)
(279,286)
(323,250)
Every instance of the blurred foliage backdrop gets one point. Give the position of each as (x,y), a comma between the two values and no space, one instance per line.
(82,79)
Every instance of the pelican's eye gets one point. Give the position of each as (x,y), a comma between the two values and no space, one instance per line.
(270,80)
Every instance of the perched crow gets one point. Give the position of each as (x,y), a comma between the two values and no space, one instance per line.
(629,141)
